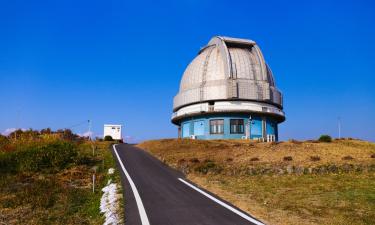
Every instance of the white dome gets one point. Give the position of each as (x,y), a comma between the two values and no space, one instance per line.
(228,69)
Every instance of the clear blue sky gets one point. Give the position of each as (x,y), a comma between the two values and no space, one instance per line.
(62,62)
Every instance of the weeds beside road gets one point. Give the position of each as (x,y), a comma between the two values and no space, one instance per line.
(49,180)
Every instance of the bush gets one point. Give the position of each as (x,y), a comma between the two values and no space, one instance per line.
(181,161)
(55,156)
(108,138)
(348,157)
(287,158)
(314,158)
(293,141)
(373,156)
(325,138)
(3,141)
(194,160)
(254,159)
(208,166)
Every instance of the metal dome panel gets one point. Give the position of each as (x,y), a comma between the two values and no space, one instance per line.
(228,69)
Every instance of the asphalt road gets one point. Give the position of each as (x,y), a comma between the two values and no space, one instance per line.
(164,199)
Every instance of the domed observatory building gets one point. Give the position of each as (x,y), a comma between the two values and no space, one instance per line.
(228,92)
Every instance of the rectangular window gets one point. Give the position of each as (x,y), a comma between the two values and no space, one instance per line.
(236,126)
(217,126)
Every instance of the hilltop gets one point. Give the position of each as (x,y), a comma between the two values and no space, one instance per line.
(293,182)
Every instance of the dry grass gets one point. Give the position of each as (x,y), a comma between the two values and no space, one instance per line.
(330,196)
(268,153)
(62,197)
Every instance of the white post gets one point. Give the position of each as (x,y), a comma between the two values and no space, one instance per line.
(250,123)
(93,183)
(339,126)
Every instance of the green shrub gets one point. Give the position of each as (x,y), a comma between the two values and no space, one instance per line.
(208,166)
(3,142)
(325,138)
(108,138)
(54,156)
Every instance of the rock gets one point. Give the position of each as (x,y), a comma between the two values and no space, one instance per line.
(299,170)
(289,169)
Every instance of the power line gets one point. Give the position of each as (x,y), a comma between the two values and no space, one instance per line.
(79,124)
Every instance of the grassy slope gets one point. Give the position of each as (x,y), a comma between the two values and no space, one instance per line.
(57,197)
(256,178)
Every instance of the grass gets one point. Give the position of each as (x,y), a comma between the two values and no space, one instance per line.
(50,182)
(307,199)
(318,186)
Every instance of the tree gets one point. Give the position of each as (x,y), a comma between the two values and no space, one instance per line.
(325,138)
(108,138)
(46,131)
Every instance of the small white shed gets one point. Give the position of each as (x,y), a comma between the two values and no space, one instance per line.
(113,130)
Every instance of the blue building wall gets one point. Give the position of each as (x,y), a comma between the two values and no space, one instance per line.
(200,127)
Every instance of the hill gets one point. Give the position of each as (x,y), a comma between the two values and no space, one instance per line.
(290,182)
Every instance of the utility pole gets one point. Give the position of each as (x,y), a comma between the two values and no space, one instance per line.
(248,129)
(89,121)
(17,124)
(339,126)
(90,139)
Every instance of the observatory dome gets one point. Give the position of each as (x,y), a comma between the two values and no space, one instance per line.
(228,75)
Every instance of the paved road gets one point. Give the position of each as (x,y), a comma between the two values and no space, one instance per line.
(166,200)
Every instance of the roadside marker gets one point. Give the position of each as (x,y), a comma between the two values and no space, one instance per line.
(241,214)
(141,208)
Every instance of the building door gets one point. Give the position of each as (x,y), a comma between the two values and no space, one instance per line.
(185,130)
(199,128)
(256,129)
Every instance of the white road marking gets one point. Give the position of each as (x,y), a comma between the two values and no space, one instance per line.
(241,214)
(141,208)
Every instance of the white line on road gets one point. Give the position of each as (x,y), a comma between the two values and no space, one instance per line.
(141,208)
(241,214)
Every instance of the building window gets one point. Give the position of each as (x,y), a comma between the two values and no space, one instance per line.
(217,126)
(236,126)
